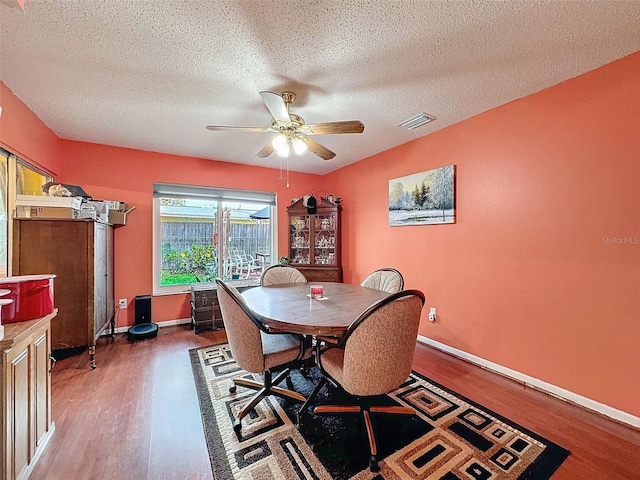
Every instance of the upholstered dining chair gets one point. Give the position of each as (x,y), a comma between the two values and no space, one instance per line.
(281,274)
(374,357)
(256,350)
(385,279)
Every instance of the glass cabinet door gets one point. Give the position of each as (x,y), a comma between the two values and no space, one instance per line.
(325,239)
(299,240)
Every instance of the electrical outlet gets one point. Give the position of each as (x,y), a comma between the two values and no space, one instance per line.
(122,303)
(432,314)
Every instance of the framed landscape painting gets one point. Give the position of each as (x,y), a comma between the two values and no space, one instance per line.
(425,198)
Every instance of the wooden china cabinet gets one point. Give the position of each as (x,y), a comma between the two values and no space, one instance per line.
(314,241)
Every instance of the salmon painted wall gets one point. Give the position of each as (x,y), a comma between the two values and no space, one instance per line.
(541,272)
(116,173)
(22,133)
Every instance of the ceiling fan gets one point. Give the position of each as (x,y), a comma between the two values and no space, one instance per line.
(293,132)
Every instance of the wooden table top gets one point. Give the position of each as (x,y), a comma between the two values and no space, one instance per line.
(288,308)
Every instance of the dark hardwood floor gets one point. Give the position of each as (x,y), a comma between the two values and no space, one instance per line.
(136,416)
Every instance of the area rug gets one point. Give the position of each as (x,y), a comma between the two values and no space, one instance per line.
(450,438)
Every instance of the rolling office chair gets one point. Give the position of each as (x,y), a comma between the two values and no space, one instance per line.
(368,361)
(258,351)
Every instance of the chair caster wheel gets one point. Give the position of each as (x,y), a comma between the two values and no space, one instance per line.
(237,426)
(289,383)
(373,465)
(232,389)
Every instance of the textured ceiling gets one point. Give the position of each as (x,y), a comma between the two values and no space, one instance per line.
(151,74)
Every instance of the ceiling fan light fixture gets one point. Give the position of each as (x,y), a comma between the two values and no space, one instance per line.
(416,121)
(283,151)
(298,145)
(279,142)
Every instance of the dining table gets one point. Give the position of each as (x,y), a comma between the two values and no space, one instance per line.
(290,308)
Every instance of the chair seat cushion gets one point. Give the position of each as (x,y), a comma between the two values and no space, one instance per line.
(280,349)
(333,363)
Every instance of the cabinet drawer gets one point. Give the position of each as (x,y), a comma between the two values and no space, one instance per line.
(321,274)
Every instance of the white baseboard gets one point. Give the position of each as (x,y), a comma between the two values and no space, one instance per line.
(166,323)
(536,383)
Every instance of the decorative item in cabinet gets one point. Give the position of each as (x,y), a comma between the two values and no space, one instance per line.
(314,240)
(205,310)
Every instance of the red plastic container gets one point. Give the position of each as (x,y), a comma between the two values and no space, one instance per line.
(32,297)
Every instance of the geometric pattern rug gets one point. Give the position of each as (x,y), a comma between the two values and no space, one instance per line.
(450,438)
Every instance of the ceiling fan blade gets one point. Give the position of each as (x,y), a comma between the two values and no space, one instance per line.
(219,128)
(314,147)
(267,150)
(276,105)
(351,126)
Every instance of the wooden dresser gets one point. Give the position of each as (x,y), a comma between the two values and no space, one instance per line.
(80,254)
(25,395)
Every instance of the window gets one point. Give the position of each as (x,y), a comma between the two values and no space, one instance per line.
(28,181)
(203,233)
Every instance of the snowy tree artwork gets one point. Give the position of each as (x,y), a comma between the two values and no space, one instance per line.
(425,198)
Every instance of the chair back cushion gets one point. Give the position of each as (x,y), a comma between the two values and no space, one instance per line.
(378,354)
(281,274)
(243,334)
(386,279)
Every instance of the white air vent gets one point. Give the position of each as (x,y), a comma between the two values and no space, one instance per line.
(416,121)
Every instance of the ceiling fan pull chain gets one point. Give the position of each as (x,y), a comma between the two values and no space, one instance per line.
(287,172)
